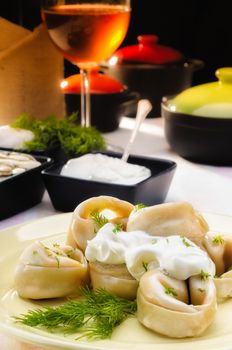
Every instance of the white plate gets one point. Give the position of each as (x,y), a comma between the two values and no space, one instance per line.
(130,335)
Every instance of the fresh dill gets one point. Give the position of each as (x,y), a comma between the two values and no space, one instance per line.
(48,251)
(218,240)
(170,291)
(65,134)
(139,206)
(185,242)
(201,290)
(58,262)
(99,219)
(117,228)
(145,266)
(94,316)
(204,275)
(70,253)
(56,245)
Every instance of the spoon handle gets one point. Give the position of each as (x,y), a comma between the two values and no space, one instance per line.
(144,107)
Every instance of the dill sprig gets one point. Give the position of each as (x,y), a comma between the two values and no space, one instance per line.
(218,240)
(117,228)
(65,134)
(139,206)
(145,265)
(204,275)
(94,316)
(185,242)
(99,219)
(170,291)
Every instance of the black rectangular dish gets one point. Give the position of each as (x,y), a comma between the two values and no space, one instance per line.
(22,191)
(67,192)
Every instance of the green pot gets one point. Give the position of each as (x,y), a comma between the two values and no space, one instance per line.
(207,100)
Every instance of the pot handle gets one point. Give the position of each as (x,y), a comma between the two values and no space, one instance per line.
(131,96)
(197,64)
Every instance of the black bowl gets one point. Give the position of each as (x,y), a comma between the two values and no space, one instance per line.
(199,139)
(66,192)
(155,81)
(22,191)
(106,109)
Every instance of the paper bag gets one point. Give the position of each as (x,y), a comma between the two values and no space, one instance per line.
(31,70)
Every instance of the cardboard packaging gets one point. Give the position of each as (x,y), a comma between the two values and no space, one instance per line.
(31,70)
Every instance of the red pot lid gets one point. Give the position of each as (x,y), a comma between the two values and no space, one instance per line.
(146,51)
(99,84)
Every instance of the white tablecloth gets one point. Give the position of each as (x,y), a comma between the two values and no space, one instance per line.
(208,188)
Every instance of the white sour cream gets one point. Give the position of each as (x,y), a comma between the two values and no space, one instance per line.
(14,138)
(177,256)
(102,168)
(110,247)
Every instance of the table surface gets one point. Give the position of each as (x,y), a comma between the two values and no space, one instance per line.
(207,188)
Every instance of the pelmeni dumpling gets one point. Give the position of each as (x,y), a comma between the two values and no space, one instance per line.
(118,259)
(83,227)
(44,272)
(176,308)
(219,248)
(176,255)
(169,219)
(106,255)
(114,278)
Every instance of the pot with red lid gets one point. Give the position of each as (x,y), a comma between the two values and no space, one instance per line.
(110,99)
(153,70)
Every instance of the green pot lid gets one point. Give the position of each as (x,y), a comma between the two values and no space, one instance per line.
(207,100)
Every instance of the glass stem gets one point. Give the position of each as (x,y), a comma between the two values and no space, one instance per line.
(85,97)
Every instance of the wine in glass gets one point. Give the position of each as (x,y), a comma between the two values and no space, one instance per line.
(86,32)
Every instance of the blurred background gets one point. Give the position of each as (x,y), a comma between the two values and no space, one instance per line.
(200,29)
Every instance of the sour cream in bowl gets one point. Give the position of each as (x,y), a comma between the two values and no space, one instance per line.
(103,168)
(140,180)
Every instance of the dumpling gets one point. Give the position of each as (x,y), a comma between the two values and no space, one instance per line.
(83,227)
(117,259)
(177,256)
(169,219)
(219,248)
(114,278)
(176,308)
(44,272)
(106,256)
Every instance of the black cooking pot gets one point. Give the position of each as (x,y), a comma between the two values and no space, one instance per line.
(110,100)
(199,139)
(152,70)
(106,109)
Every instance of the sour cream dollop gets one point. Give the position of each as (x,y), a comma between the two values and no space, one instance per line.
(102,168)
(175,255)
(14,138)
(110,246)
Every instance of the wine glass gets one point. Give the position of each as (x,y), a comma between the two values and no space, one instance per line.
(86,32)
